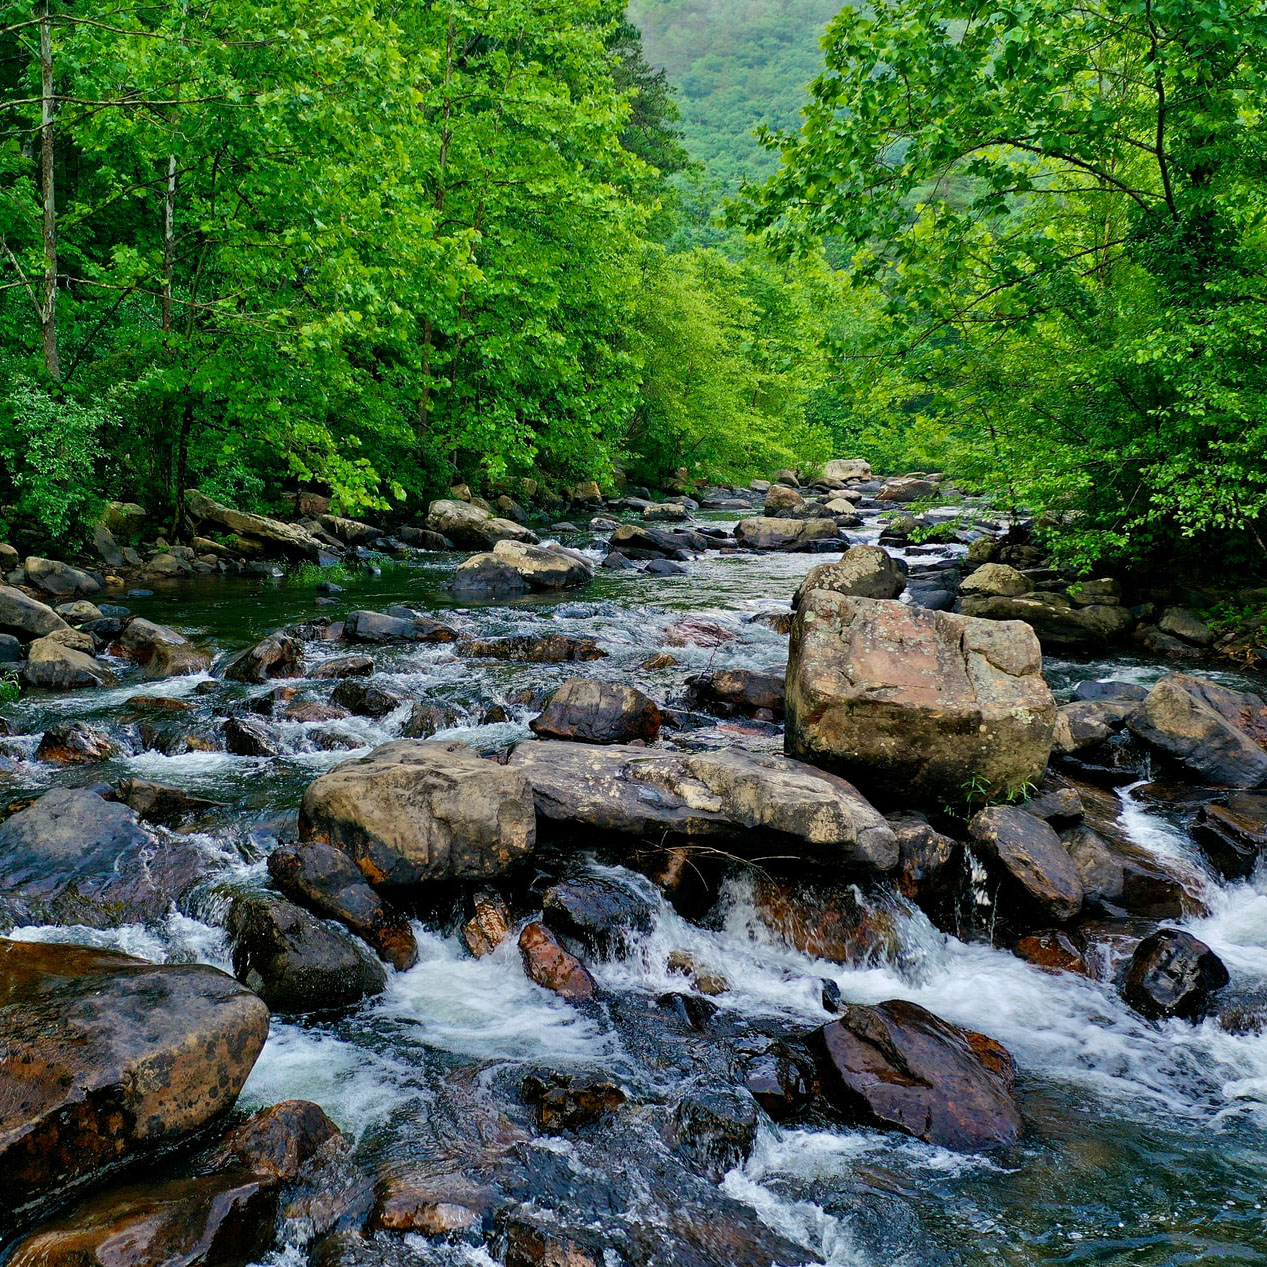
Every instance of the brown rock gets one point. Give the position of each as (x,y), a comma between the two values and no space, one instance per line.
(278,1142)
(278,655)
(1054,951)
(344,666)
(564,1105)
(549,965)
(828,922)
(414,1199)
(861,572)
(488,927)
(414,812)
(534,649)
(75,743)
(110,1057)
(1028,855)
(898,1067)
(698,631)
(585,710)
(738,693)
(916,703)
(1171,973)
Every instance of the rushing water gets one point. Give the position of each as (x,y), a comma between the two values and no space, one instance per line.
(1146,1143)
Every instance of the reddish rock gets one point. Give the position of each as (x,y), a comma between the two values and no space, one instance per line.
(75,743)
(827,922)
(549,965)
(415,1199)
(1054,951)
(488,927)
(898,1067)
(563,1105)
(698,631)
(278,1142)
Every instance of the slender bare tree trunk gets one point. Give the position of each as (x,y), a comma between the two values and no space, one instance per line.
(48,302)
(169,246)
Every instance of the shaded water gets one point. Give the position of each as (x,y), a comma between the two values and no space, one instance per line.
(1145,1143)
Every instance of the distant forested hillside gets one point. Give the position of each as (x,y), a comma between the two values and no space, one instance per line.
(737,64)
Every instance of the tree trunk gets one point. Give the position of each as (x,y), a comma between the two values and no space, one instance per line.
(48,303)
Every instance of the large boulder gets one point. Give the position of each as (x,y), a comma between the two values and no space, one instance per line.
(382,627)
(908,488)
(754,802)
(1029,859)
(54,577)
(1217,734)
(25,617)
(472,527)
(73,858)
(414,812)
(996,580)
(898,1067)
(636,541)
(277,656)
(848,469)
(108,1057)
(782,502)
(916,703)
(296,962)
(787,535)
(585,710)
(1058,622)
(350,532)
(514,567)
(861,572)
(327,881)
(53,666)
(269,535)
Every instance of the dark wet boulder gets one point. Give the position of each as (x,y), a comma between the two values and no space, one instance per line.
(277,656)
(664,567)
(1101,690)
(327,881)
(295,962)
(601,914)
(1217,734)
(916,704)
(780,1077)
(159,803)
(747,799)
(424,539)
(51,665)
(74,858)
(278,1142)
(426,718)
(109,1058)
(715,1129)
(1087,723)
(25,617)
(930,864)
(563,1103)
(75,743)
(586,710)
(414,813)
(350,532)
(1053,950)
(269,536)
(1119,875)
(249,737)
(738,693)
(533,648)
(861,572)
(1170,974)
(378,627)
(366,699)
(549,965)
(896,1066)
(792,536)
(417,1198)
(226,1219)
(1233,836)
(1029,860)
(343,666)
(637,541)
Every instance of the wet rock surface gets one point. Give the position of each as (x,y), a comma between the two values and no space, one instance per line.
(588,711)
(1172,973)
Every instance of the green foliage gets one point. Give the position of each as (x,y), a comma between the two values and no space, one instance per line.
(10,690)
(52,450)
(405,243)
(1053,218)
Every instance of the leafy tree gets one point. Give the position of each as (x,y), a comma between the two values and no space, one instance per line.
(1053,216)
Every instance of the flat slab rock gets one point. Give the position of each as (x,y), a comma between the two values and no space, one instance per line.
(108,1057)
(74,858)
(737,796)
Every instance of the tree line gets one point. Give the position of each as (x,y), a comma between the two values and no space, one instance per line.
(370,247)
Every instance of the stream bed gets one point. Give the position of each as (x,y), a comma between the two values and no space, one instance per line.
(1145,1143)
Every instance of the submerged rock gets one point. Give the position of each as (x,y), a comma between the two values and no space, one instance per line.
(586,710)
(367,626)
(1171,973)
(73,858)
(162,804)
(327,881)
(913,703)
(75,743)
(110,1057)
(898,1067)
(1217,734)
(747,799)
(296,962)
(414,812)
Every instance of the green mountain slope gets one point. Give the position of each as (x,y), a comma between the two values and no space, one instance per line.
(737,64)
